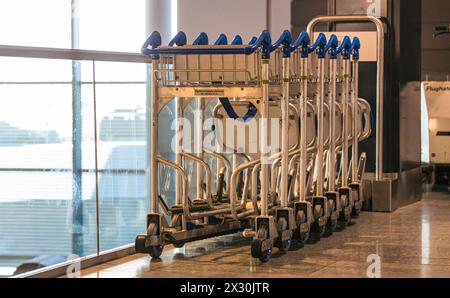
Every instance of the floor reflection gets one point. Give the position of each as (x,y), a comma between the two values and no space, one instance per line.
(411,242)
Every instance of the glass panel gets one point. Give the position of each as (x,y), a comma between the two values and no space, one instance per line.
(46,206)
(45,23)
(122,133)
(112,25)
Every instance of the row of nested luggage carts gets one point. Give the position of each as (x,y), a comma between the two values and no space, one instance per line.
(286,122)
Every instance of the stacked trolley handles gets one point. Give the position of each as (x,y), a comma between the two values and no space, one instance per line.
(275,197)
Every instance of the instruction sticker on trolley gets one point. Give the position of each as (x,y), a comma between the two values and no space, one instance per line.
(209,92)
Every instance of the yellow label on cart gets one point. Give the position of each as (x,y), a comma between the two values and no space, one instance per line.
(206,92)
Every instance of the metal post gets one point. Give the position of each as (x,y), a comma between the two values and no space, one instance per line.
(178,158)
(263,133)
(332,149)
(77,202)
(320,121)
(345,128)
(199,145)
(154,137)
(284,134)
(355,121)
(303,114)
(380,76)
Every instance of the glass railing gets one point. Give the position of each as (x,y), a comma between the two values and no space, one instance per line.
(73,162)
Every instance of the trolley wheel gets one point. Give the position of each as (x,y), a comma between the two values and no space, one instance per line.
(331,223)
(356,210)
(319,231)
(178,245)
(256,248)
(301,218)
(283,245)
(139,244)
(344,219)
(318,211)
(155,251)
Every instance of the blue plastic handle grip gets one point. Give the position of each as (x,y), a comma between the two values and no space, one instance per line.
(253,40)
(202,39)
(154,40)
(319,44)
(332,46)
(263,41)
(354,48)
(302,42)
(284,40)
(179,39)
(237,40)
(344,48)
(221,40)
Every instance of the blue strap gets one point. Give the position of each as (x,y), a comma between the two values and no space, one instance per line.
(252,110)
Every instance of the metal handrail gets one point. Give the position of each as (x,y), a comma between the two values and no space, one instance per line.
(71,54)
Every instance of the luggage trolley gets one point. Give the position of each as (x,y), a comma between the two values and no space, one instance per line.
(274,222)
(312,211)
(355,181)
(206,72)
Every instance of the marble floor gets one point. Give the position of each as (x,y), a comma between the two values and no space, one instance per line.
(414,241)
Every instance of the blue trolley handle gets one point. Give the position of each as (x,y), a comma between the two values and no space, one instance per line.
(253,40)
(263,41)
(221,40)
(237,40)
(331,46)
(354,48)
(284,40)
(202,39)
(344,48)
(319,45)
(154,40)
(179,39)
(302,42)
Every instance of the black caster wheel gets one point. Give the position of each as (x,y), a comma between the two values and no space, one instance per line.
(300,218)
(319,231)
(283,245)
(301,237)
(176,221)
(256,248)
(155,251)
(342,222)
(139,244)
(332,225)
(304,236)
(318,212)
(178,245)
(356,210)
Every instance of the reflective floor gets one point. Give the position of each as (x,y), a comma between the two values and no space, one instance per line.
(414,241)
